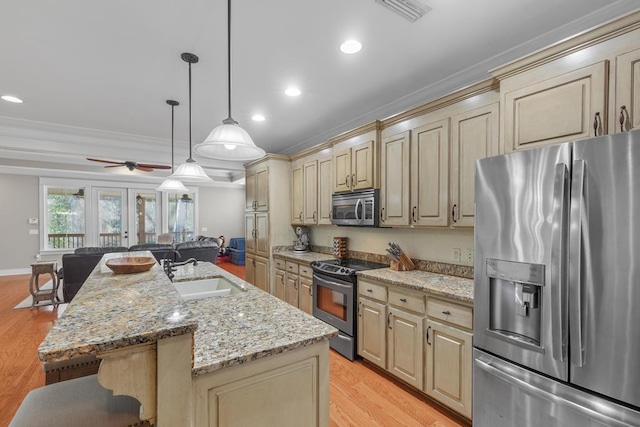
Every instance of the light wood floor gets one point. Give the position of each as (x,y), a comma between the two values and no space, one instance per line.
(360,396)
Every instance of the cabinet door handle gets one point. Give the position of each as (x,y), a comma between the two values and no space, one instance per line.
(428,329)
(346,181)
(353,180)
(311,290)
(300,216)
(295,285)
(413,213)
(382,214)
(446,313)
(370,290)
(389,320)
(403,299)
(314,216)
(623,110)
(359,309)
(453,213)
(596,123)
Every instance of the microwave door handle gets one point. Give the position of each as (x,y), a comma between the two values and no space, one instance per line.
(358,203)
(558,286)
(576,312)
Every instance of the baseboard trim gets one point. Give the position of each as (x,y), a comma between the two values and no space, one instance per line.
(15,271)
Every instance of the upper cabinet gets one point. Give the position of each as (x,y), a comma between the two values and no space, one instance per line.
(427,161)
(587,85)
(325,189)
(257,193)
(297,195)
(627,102)
(311,189)
(355,162)
(310,192)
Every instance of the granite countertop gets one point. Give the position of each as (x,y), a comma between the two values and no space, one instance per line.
(307,257)
(117,310)
(238,328)
(112,311)
(452,287)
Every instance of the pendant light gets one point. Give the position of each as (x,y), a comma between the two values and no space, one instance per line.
(190,171)
(170,185)
(229,141)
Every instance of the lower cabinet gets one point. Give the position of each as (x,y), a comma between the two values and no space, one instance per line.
(280,286)
(305,295)
(449,362)
(293,284)
(257,271)
(425,342)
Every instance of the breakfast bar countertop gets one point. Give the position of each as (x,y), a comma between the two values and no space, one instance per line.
(118,310)
(113,311)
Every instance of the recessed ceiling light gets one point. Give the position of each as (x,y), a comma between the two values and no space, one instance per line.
(10,98)
(351,46)
(292,91)
(258,118)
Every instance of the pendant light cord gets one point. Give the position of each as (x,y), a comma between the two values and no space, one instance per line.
(190,160)
(229,53)
(172,138)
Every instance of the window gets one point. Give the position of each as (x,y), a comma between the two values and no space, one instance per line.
(65,213)
(181,216)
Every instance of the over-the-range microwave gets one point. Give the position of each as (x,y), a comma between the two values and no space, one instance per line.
(358,208)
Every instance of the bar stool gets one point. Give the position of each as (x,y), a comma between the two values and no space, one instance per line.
(37,294)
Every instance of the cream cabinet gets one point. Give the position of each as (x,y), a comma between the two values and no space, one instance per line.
(404,346)
(257,233)
(394,185)
(291,289)
(257,271)
(559,105)
(353,167)
(297,195)
(279,285)
(310,192)
(627,99)
(257,195)
(474,135)
(305,295)
(449,343)
(293,283)
(325,190)
(372,326)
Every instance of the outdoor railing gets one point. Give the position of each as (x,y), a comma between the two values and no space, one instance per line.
(72,241)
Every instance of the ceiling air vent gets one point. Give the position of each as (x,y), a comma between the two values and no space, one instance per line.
(404,8)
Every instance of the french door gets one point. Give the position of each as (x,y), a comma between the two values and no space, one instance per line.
(126,217)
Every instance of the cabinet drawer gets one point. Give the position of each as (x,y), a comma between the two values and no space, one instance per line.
(292,267)
(279,263)
(372,290)
(406,300)
(305,270)
(452,313)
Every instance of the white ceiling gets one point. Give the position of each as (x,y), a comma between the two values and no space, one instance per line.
(95,75)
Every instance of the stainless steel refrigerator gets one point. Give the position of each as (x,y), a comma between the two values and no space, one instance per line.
(557,286)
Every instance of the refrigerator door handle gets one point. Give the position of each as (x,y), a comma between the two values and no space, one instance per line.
(523,382)
(558,262)
(575,267)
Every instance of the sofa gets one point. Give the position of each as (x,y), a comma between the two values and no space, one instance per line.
(76,267)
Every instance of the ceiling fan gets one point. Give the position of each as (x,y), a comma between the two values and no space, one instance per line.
(131,165)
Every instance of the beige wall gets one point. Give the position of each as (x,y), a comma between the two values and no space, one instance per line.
(18,203)
(430,244)
(221,212)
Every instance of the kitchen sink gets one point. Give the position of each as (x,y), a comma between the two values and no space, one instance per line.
(205,288)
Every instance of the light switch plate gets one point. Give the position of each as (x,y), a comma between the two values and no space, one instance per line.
(33,220)
(33,231)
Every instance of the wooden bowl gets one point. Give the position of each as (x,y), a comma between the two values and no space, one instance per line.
(129,265)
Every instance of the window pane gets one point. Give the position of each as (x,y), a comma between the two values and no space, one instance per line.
(181,216)
(65,218)
(110,218)
(146,221)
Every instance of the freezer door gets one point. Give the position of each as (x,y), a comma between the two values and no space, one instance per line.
(604,266)
(520,305)
(506,395)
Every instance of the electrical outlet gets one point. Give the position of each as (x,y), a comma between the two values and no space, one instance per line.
(456,254)
(204,229)
(38,257)
(33,231)
(468,254)
(33,221)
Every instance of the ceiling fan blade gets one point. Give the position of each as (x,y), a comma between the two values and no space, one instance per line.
(146,165)
(143,168)
(106,161)
(113,166)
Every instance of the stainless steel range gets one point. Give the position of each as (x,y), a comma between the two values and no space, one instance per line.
(334,298)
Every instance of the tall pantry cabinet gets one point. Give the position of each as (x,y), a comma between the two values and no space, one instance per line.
(267,202)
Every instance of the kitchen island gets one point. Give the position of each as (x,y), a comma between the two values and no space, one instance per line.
(242,358)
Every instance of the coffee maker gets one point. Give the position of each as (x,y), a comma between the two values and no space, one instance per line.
(301,244)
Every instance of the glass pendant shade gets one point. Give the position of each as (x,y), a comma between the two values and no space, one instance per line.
(229,142)
(190,171)
(172,186)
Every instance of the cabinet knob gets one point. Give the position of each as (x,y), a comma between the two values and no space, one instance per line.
(446,313)
(370,290)
(403,299)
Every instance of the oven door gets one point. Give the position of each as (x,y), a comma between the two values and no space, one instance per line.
(333,302)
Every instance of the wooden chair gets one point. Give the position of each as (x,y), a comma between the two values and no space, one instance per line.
(38,294)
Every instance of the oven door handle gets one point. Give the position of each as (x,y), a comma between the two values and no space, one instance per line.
(330,283)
